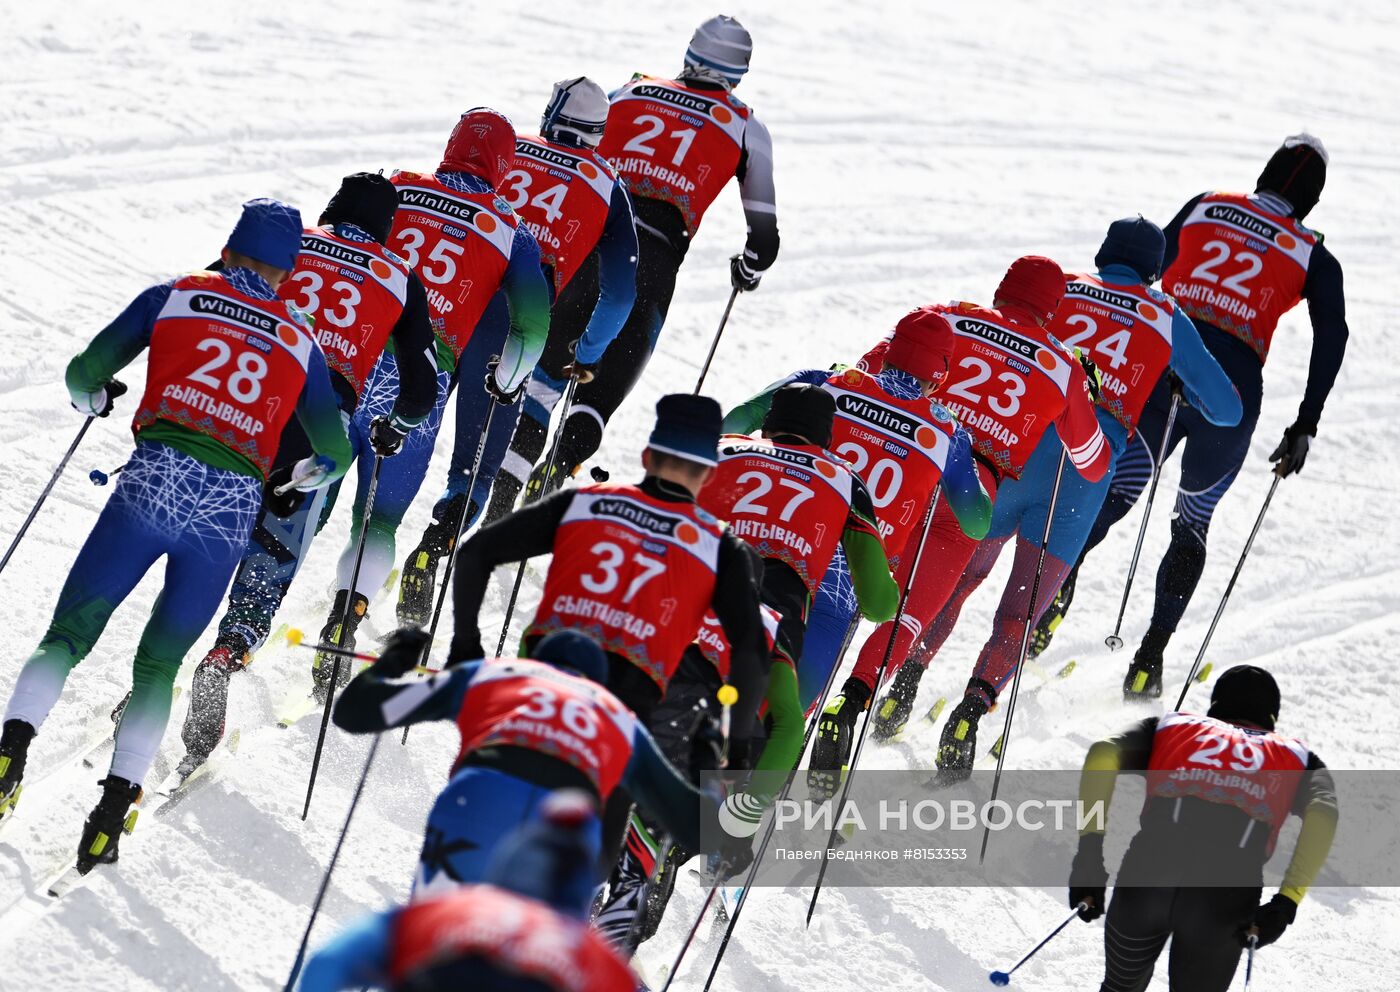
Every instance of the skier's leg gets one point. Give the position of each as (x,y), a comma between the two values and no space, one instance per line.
(1136,928)
(997,662)
(1205,950)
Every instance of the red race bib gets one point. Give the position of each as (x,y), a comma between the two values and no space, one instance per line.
(715,646)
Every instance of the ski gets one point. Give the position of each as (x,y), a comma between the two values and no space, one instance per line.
(936,710)
(994,752)
(185,780)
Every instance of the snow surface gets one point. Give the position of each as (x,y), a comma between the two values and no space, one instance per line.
(918,151)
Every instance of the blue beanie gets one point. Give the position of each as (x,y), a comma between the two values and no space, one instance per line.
(1137,243)
(269,231)
(573,650)
(687,426)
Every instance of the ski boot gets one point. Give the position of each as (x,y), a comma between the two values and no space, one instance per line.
(14,749)
(957,746)
(204,722)
(324,664)
(1144,678)
(105,825)
(538,486)
(1053,616)
(893,712)
(419,575)
(835,735)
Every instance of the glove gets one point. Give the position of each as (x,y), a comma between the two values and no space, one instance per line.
(739,822)
(282,504)
(386,436)
(1088,878)
(403,652)
(576,369)
(1292,451)
(741,277)
(706,747)
(1270,920)
(104,399)
(1091,372)
(494,388)
(740,757)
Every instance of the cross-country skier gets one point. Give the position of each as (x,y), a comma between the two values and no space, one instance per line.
(524,928)
(1134,334)
(1011,381)
(570,198)
(676,143)
(1235,263)
(528,727)
(463,240)
(229,365)
(363,298)
(1219,788)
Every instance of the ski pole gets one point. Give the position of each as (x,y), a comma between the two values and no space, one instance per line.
(1002,978)
(550,464)
(53,481)
(694,927)
(456,544)
(714,345)
(1252,945)
(879,680)
(330,868)
(340,633)
(1025,641)
(772,823)
(1210,631)
(1113,640)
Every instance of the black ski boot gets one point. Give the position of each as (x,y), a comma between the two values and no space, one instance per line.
(538,486)
(893,712)
(419,577)
(204,722)
(325,662)
(14,750)
(957,746)
(1144,678)
(835,737)
(1053,616)
(105,825)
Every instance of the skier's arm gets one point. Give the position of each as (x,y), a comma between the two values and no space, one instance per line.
(875,588)
(661,791)
(416,355)
(873,361)
(1208,388)
(736,604)
(1128,751)
(318,409)
(523,534)
(371,703)
(1079,431)
(747,417)
(1328,313)
(1318,801)
(527,295)
(114,348)
(355,958)
(1172,232)
(617,279)
(757,192)
(962,488)
(784,745)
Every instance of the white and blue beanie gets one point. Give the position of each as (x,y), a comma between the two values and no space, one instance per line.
(719,51)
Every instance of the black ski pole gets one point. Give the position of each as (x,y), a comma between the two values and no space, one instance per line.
(694,928)
(1025,641)
(1253,945)
(1219,610)
(1001,978)
(714,345)
(340,633)
(865,726)
(772,823)
(330,868)
(1113,640)
(461,525)
(550,464)
(53,480)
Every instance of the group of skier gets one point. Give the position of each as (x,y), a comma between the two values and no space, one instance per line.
(529,272)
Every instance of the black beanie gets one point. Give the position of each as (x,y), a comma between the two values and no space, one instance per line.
(1296,172)
(1245,693)
(366,200)
(1137,243)
(804,410)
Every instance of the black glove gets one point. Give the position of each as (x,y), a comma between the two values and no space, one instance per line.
(403,652)
(385,436)
(735,855)
(282,504)
(578,370)
(494,388)
(1091,372)
(740,757)
(741,277)
(1270,919)
(113,388)
(1292,451)
(706,746)
(1088,878)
